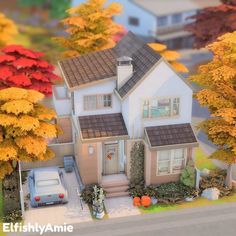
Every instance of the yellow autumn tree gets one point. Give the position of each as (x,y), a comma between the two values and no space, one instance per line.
(218,80)
(90,27)
(25,127)
(8,30)
(170,56)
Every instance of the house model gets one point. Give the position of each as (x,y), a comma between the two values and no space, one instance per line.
(121,95)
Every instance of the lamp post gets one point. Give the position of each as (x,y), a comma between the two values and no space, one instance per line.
(22,205)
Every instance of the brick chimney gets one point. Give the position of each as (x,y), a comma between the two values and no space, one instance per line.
(124,70)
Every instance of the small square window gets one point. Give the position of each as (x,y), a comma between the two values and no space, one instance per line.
(176,18)
(162,21)
(134,21)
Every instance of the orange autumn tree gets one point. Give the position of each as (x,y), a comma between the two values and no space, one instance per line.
(8,30)
(25,126)
(170,56)
(90,28)
(218,80)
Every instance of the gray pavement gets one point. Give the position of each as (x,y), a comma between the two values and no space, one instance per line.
(217,220)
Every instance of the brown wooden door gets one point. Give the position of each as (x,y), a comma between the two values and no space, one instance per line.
(111,162)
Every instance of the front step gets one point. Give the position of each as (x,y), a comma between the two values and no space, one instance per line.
(118,194)
(115,186)
(117,189)
(112,184)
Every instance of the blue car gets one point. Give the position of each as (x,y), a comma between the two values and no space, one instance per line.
(47,187)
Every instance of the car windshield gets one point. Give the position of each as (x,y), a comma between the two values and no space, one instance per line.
(48,182)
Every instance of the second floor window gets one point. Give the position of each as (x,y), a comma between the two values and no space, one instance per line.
(134,21)
(176,18)
(94,102)
(162,21)
(161,107)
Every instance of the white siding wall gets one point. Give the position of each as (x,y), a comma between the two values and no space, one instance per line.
(62,103)
(101,88)
(162,81)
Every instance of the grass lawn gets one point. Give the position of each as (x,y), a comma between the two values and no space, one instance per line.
(196,203)
(202,161)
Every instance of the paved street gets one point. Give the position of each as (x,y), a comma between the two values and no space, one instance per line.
(205,221)
(218,220)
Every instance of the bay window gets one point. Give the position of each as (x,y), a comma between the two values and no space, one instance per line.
(171,161)
(161,107)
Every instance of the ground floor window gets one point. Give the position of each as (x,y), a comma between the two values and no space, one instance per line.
(171,161)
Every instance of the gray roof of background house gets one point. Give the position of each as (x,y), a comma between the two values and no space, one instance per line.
(101,65)
(166,7)
(166,135)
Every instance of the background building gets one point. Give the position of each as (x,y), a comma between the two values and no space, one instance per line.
(160,21)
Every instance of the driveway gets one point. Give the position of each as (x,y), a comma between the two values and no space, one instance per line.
(70,213)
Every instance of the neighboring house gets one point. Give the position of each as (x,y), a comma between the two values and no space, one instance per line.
(119,96)
(160,20)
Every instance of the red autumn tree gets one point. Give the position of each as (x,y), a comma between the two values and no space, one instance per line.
(22,67)
(212,22)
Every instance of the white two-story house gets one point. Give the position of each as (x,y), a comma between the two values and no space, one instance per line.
(124,94)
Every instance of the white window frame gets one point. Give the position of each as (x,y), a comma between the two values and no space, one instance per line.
(171,165)
(131,20)
(173,18)
(97,102)
(147,107)
(162,21)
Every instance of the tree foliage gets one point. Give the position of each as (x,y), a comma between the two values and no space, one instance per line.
(8,30)
(218,79)
(57,9)
(212,22)
(90,27)
(25,126)
(21,67)
(170,56)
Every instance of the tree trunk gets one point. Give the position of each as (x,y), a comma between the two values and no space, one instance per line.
(229,178)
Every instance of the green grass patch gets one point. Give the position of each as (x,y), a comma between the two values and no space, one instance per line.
(202,161)
(185,205)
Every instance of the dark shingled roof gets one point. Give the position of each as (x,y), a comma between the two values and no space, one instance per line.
(102,64)
(170,135)
(101,126)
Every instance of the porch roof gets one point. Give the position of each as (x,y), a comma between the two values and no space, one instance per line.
(102,126)
(169,135)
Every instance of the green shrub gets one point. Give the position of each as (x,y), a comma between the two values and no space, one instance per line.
(13,216)
(137,163)
(188,176)
(137,190)
(216,179)
(88,195)
(174,192)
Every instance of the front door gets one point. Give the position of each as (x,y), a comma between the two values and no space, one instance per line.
(111,160)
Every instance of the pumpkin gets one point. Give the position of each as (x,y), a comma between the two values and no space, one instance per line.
(137,201)
(146,201)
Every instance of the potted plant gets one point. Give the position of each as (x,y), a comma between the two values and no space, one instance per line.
(152,192)
(98,202)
